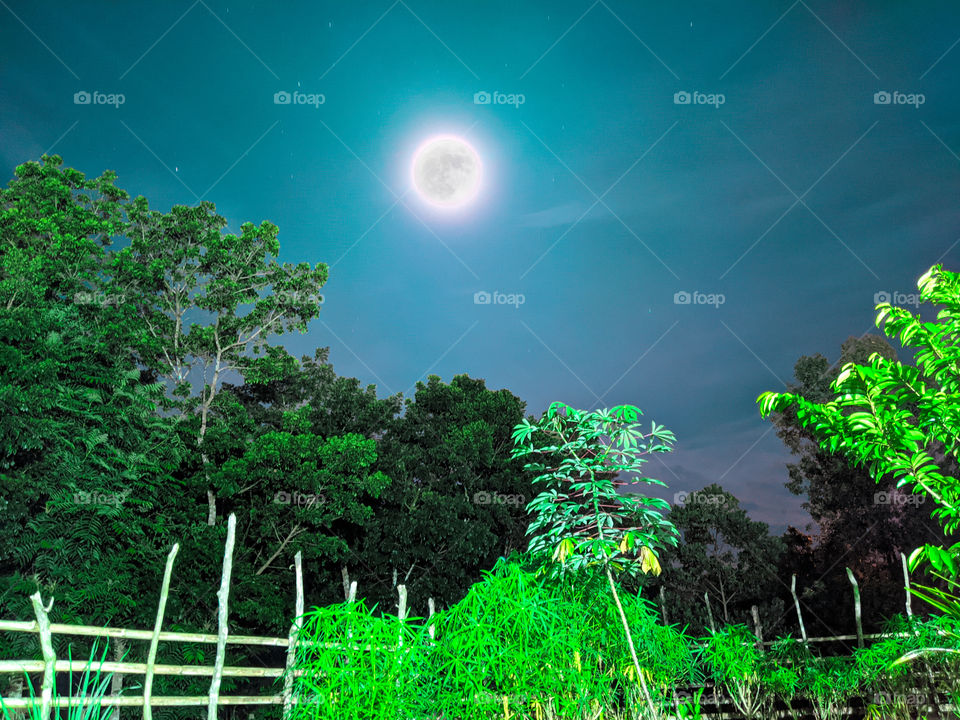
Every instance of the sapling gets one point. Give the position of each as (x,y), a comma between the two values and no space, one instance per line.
(581,517)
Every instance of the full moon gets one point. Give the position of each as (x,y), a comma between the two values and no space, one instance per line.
(446,172)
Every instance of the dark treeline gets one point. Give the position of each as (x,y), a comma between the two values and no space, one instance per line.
(108,458)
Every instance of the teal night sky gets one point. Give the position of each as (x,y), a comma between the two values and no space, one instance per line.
(777,164)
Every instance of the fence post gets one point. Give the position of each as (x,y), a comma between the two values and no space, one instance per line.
(116,683)
(906,582)
(350,598)
(401,614)
(402,601)
(222,595)
(291,648)
(346,582)
(49,657)
(856,606)
(796,603)
(152,654)
(706,596)
(431,629)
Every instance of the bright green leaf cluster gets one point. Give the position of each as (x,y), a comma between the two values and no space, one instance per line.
(898,412)
(581,516)
(881,430)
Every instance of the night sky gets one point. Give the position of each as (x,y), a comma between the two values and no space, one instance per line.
(786,193)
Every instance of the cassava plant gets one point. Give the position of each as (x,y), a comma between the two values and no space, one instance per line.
(581,517)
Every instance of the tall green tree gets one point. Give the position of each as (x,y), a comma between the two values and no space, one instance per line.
(427,529)
(458,500)
(78,483)
(332,406)
(77,420)
(83,453)
(338,405)
(54,226)
(162,274)
(296,485)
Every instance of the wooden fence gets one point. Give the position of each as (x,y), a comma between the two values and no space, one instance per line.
(50,665)
(758,630)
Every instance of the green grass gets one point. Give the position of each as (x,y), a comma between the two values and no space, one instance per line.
(521,647)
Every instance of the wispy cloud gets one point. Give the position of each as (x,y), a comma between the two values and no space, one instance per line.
(555,216)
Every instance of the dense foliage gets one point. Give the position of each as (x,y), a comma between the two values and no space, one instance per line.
(113,447)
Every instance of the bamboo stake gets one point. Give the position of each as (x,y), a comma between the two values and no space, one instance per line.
(431,629)
(796,603)
(906,581)
(222,596)
(706,596)
(116,683)
(663,607)
(401,614)
(155,639)
(161,701)
(856,606)
(49,657)
(402,601)
(351,597)
(292,637)
(132,668)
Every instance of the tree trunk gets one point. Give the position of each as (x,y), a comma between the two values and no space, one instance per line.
(204,410)
(211,506)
